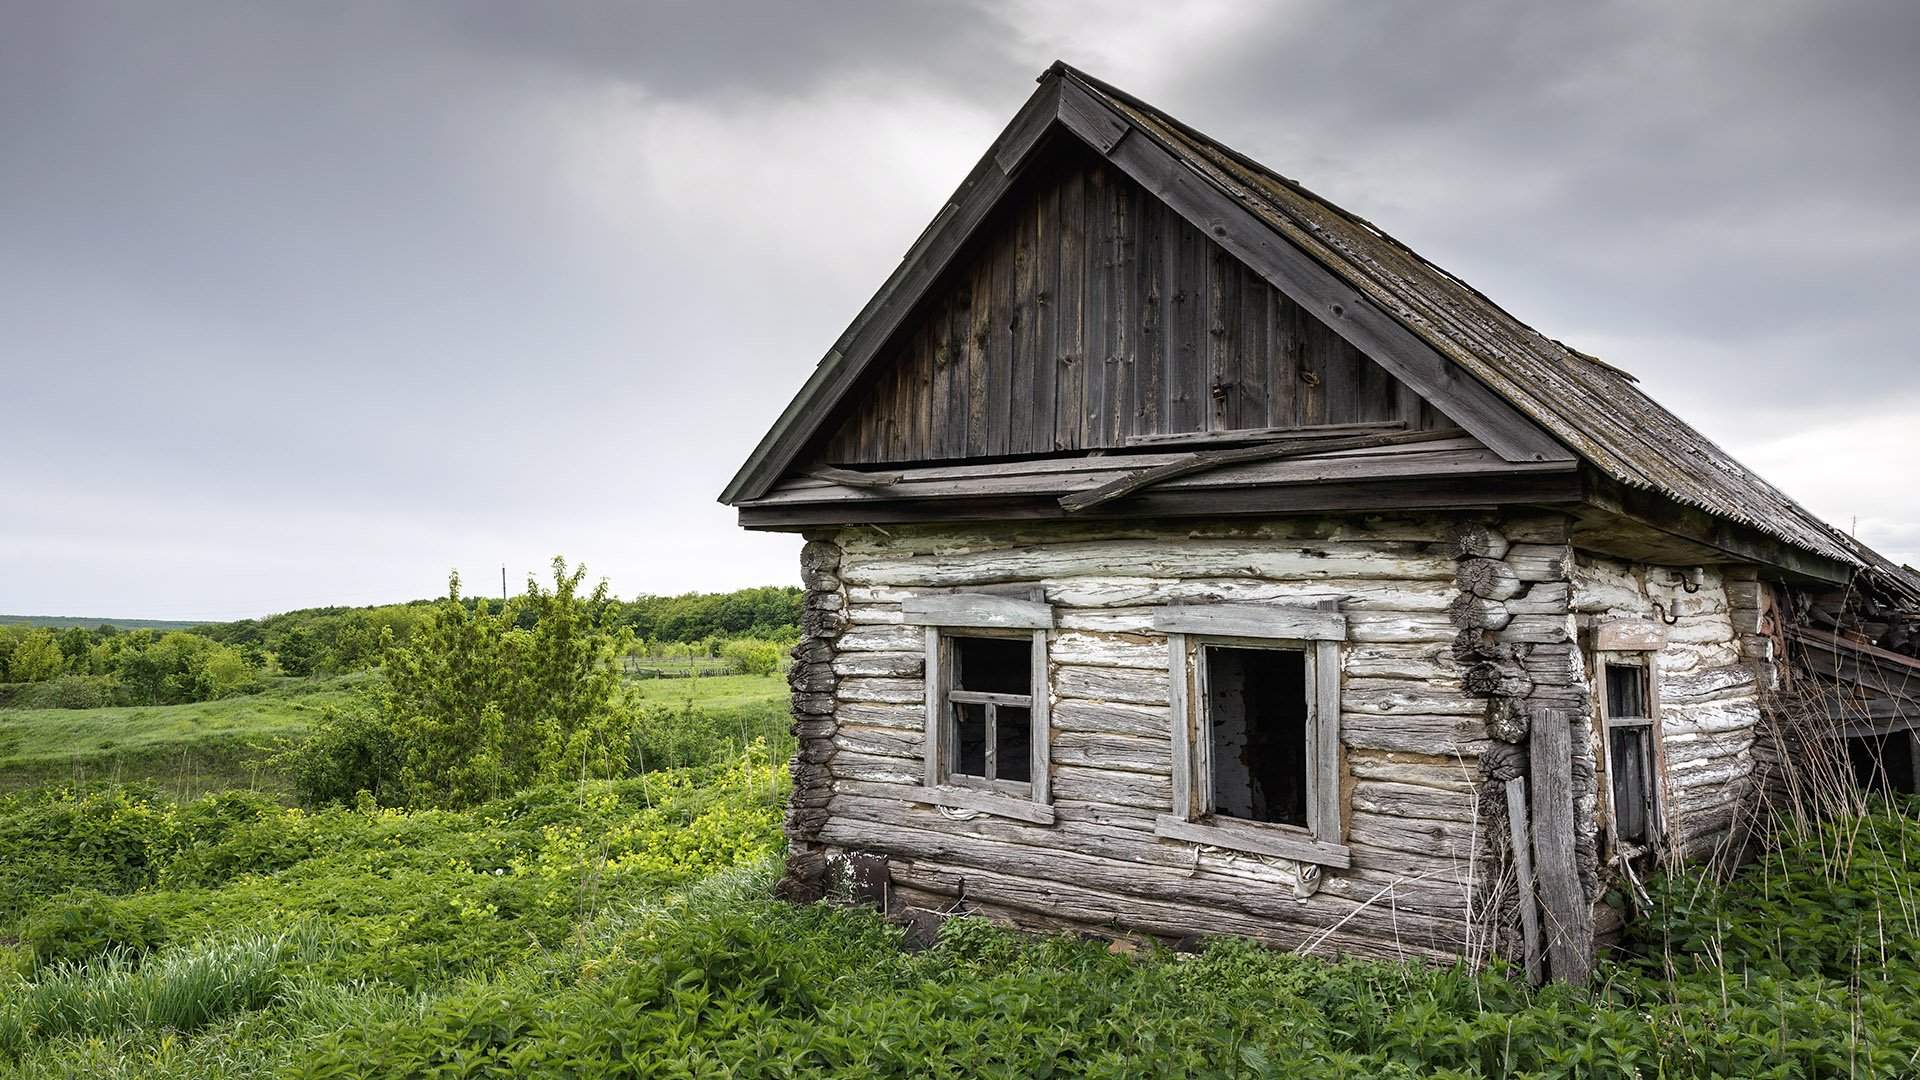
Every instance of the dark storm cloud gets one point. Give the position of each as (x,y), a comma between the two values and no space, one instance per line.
(303,303)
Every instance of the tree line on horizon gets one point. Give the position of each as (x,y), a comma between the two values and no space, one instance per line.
(85,667)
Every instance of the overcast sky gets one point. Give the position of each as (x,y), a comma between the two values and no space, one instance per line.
(307,303)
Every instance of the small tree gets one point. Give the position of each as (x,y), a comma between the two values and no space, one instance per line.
(36,657)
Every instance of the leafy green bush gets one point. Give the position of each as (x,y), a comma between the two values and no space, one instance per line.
(753,656)
(70,692)
(35,656)
(348,750)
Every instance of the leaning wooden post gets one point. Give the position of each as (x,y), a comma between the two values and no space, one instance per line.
(1523,873)
(1569,918)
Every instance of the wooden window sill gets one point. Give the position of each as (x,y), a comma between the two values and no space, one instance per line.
(1255,838)
(957,798)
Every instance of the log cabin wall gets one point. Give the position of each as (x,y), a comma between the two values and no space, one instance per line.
(1411,735)
(1087,313)
(1710,689)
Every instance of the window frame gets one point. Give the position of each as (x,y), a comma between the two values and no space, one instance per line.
(1646,661)
(947,616)
(1317,633)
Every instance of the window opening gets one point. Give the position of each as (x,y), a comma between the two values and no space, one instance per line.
(1257,715)
(990,703)
(1630,752)
(1883,764)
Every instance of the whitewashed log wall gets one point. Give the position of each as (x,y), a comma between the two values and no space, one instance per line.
(1412,735)
(1711,673)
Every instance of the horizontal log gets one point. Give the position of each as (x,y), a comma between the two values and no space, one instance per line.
(880,742)
(1396,626)
(1441,736)
(1252,621)
(895,691)
(1412,801)
(1143,790)
(906,716)
(886,665)
(1539,562)
(1477,540)
(1124,753)
(976,610)
(1149,593)
(1131,686)
(1108,650)
(1537,630)
(1544,598)
(1488,578)
(1366,936)
(1475,613)
(896,637)
(1153,559)
(1416,661)
(1074,714)
(1422,770)
(1396,697)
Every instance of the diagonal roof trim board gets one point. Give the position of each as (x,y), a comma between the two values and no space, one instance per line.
(1590,405)
(919,268)
(1061,104)
(1309,283)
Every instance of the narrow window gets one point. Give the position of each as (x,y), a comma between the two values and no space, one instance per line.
(1256,718)
(1629,729)
(990,709)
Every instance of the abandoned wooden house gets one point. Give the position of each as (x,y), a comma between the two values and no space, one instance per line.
(1186,556)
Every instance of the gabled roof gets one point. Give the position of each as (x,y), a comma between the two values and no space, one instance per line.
(1442,337)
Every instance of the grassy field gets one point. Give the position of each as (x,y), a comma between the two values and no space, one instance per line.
(209,746)
(614,928)
(188,749)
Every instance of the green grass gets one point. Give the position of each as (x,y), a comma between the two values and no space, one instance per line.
(190,749)
(713,691)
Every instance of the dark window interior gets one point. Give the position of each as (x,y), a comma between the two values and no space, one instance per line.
(992,739)
(1883,764)
(1015,738)
(1257,721)
(993,665)
(1626,690)
(1631,765)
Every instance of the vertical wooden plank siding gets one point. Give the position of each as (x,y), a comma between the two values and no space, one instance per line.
(1069,318)
(1087,311)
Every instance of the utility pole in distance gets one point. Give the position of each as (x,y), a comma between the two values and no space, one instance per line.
(503,586)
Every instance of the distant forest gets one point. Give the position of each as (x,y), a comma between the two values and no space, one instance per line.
(156,663)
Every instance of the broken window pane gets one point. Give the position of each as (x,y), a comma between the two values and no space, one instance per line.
(1626,690)
(993,665)
(970,739)
(1013,738)
(1257,722)
(1629,763)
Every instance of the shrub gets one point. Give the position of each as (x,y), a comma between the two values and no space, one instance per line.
(753,656)
(348,750)
(84,925)
(70,692)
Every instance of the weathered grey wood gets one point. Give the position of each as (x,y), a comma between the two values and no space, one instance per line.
(1628,635)
(935,719)
(1568,920)
(1252,836)
(1214,459)
(1181,714)
(1264,434)
(854,477)
(1041,767)
(1253,621)
(1478,540)
(1315,288)
(976,610)
(1522,849)
(1474,613)
(958,798)
(1324,746)
(1488,578)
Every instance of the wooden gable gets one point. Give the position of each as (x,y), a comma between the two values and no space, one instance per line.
(1088,314)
